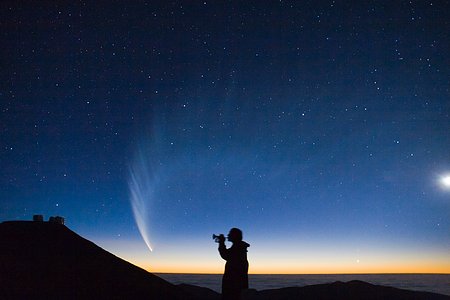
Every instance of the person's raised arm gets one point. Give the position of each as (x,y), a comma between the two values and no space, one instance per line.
(224,253)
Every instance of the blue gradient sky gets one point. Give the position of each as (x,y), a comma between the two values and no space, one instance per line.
(319,128)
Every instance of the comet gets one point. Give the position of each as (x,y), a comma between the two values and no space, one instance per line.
(141,184)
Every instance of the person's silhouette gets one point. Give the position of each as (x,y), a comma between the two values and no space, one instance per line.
(235,277)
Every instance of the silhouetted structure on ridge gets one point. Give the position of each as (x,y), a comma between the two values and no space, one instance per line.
(52,219)
(38,218)
(57,220)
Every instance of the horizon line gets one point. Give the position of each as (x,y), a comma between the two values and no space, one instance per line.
(393,273)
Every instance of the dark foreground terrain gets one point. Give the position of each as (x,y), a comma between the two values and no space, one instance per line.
(41,260)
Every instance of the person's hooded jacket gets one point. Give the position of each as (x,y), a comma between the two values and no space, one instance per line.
(235,277)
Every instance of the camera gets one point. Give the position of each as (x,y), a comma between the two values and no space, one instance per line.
(219,237)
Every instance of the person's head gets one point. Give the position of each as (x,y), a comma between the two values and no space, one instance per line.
(235,235)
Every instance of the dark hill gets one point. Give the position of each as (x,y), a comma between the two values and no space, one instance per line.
(352,290)
(41,260)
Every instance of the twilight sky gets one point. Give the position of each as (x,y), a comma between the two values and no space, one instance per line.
(320,128)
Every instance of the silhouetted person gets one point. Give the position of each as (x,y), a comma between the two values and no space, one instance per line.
(235,278)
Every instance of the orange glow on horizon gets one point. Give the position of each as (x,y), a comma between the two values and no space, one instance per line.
(192,261)
(380,269)
(382,264)
(305,272)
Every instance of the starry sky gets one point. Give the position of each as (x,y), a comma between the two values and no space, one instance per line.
(320,128)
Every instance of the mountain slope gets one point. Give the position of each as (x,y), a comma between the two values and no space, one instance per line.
(46,260)
(352,290)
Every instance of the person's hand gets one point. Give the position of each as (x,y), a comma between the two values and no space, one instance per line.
(221,238)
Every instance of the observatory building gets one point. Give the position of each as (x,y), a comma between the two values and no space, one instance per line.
(52,219)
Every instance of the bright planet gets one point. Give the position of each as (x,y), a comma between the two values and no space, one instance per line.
(445,181)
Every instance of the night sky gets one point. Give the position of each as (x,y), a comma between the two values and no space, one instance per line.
(320,128)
